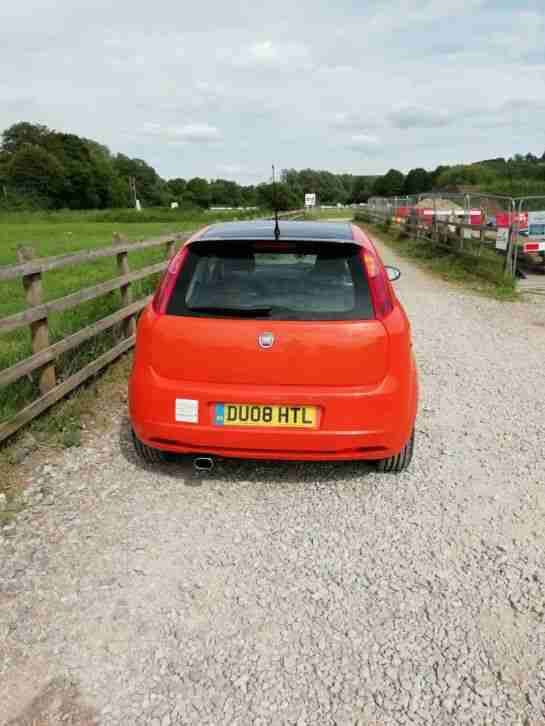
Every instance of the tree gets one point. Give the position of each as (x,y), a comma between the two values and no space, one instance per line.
(417,181)
(81,174)
(283,195)
(330,188)
(248,196)
(36,176)
(199,189)
(19,134)
(225,193)
(176,187)
(389,185)
(469,174)
(362,189)
(436,174)
(151,189)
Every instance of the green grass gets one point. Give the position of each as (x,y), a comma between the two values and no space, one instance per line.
(161,215)
(317,214)
(483,274)
(58,233)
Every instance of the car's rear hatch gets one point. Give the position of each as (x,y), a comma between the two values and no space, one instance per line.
(271,314)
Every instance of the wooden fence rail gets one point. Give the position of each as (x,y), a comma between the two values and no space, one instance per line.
(46,264)
(36,315)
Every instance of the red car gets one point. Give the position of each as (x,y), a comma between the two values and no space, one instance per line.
(267,342)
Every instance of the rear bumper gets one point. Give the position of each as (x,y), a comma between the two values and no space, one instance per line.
(356,422)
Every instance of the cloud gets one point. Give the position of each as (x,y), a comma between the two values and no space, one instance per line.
(413,117)
(353,120)
(362,142)
(268,55)
(265,52)
(190,133)
(230,168)
(346,86)
(198,133)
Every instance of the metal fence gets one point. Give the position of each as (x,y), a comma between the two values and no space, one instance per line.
(470,223)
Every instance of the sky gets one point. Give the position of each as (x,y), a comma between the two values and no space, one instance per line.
(225,89)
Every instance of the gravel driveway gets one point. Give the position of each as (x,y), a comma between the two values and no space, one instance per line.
(300,593)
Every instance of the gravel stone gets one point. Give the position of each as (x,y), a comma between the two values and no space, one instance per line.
(278,593)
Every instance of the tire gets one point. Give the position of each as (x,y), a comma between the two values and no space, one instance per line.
(400,462)
(146,453)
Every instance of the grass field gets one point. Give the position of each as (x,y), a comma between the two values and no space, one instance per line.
(59,233)
(340,213)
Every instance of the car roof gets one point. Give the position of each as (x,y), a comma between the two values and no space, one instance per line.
(263,229)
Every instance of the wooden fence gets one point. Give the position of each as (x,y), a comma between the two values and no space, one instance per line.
(36,315)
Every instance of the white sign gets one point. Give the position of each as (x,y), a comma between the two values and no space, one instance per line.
(310,200)
(536,225)
(186,410)
(502,238)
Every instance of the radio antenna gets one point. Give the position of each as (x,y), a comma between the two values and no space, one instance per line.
(275,203)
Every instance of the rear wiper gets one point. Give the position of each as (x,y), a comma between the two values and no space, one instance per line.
(235,312)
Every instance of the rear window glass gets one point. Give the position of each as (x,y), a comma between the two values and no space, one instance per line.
(282,281)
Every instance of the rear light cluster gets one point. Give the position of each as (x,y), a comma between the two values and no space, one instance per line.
(166,286)
(379,284)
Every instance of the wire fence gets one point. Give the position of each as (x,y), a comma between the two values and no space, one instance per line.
(471,225)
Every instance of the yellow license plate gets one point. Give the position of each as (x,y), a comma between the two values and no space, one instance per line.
(249,414)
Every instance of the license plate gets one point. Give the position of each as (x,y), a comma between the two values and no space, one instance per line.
(248,414)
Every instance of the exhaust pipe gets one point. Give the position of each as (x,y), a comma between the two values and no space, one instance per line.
(203,463)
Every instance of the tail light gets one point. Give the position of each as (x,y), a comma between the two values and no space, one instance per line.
(378,284)
(166,286)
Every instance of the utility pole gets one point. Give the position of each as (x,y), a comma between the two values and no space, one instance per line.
(132,190)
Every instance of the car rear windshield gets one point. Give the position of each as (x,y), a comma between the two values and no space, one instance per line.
(281,281)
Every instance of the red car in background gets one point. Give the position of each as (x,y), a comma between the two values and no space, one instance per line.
(275,342)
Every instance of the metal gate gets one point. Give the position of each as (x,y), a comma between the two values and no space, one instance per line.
(529,245)
(471,222)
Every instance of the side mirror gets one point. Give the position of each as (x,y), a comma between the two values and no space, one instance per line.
(393,273)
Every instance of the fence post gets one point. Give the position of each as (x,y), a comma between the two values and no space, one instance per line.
(508,267)
(413,227)
(170,249)
(128,325)
(482,231)
(39,329)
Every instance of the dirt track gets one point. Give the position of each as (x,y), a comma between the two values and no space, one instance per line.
(276,593)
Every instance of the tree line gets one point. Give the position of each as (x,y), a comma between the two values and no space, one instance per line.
(519,175)
(46,169)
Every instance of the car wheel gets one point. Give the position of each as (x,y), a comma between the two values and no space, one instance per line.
(398,463)
(146,453)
